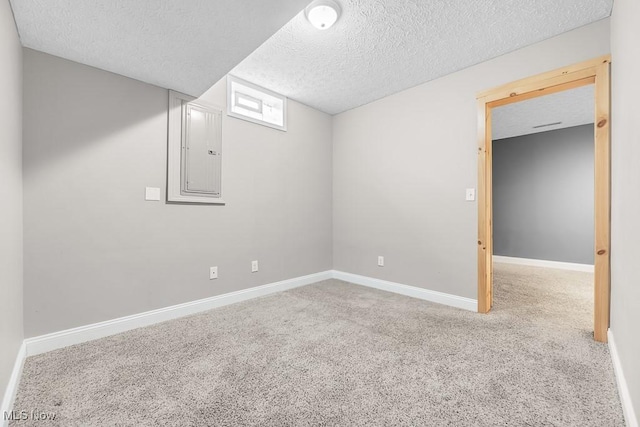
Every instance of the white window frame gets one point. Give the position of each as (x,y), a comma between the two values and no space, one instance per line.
(174,153)
(231,100)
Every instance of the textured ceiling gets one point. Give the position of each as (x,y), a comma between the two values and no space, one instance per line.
(186,45)
(572,107)
(380,47)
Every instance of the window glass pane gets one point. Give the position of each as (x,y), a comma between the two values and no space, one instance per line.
(250,102)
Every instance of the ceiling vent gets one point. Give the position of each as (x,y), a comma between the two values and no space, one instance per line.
(547,125)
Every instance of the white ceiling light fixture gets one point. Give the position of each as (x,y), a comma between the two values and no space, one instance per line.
(322,13)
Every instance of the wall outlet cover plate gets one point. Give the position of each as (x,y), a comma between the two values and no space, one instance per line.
(152,193)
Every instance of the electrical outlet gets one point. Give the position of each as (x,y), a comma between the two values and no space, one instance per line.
(380,261)
(213,273)
(254,266)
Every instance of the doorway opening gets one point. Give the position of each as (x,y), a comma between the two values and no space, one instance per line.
(594,72)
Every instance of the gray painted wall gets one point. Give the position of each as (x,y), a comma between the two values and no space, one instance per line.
(625,203)
(543,195)
(11,331)
(96,250)
(401,166)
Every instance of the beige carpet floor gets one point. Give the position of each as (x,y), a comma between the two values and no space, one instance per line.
(334,354)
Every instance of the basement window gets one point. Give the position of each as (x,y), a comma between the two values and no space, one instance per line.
(194,151)
(255,104)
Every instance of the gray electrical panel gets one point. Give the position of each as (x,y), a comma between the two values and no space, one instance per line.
(201,155)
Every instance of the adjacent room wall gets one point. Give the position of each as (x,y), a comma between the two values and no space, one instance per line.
(625,203)
(402,163)
(96,250)
(543,195)
(11,331)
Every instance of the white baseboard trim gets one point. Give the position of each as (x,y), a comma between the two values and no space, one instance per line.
(410,291)
(65,338)
(543,263)
(12,386)
(623,389)
(55,340)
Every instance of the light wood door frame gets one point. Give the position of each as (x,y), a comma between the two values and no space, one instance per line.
(595,71)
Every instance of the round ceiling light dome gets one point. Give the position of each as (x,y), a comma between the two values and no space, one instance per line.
(322,13)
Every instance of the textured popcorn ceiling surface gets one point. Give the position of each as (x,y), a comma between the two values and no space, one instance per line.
(572,107)
(380,47)
(186,45)
(377,47)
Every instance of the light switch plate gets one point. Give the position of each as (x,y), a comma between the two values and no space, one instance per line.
(152,193)
(471,194)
